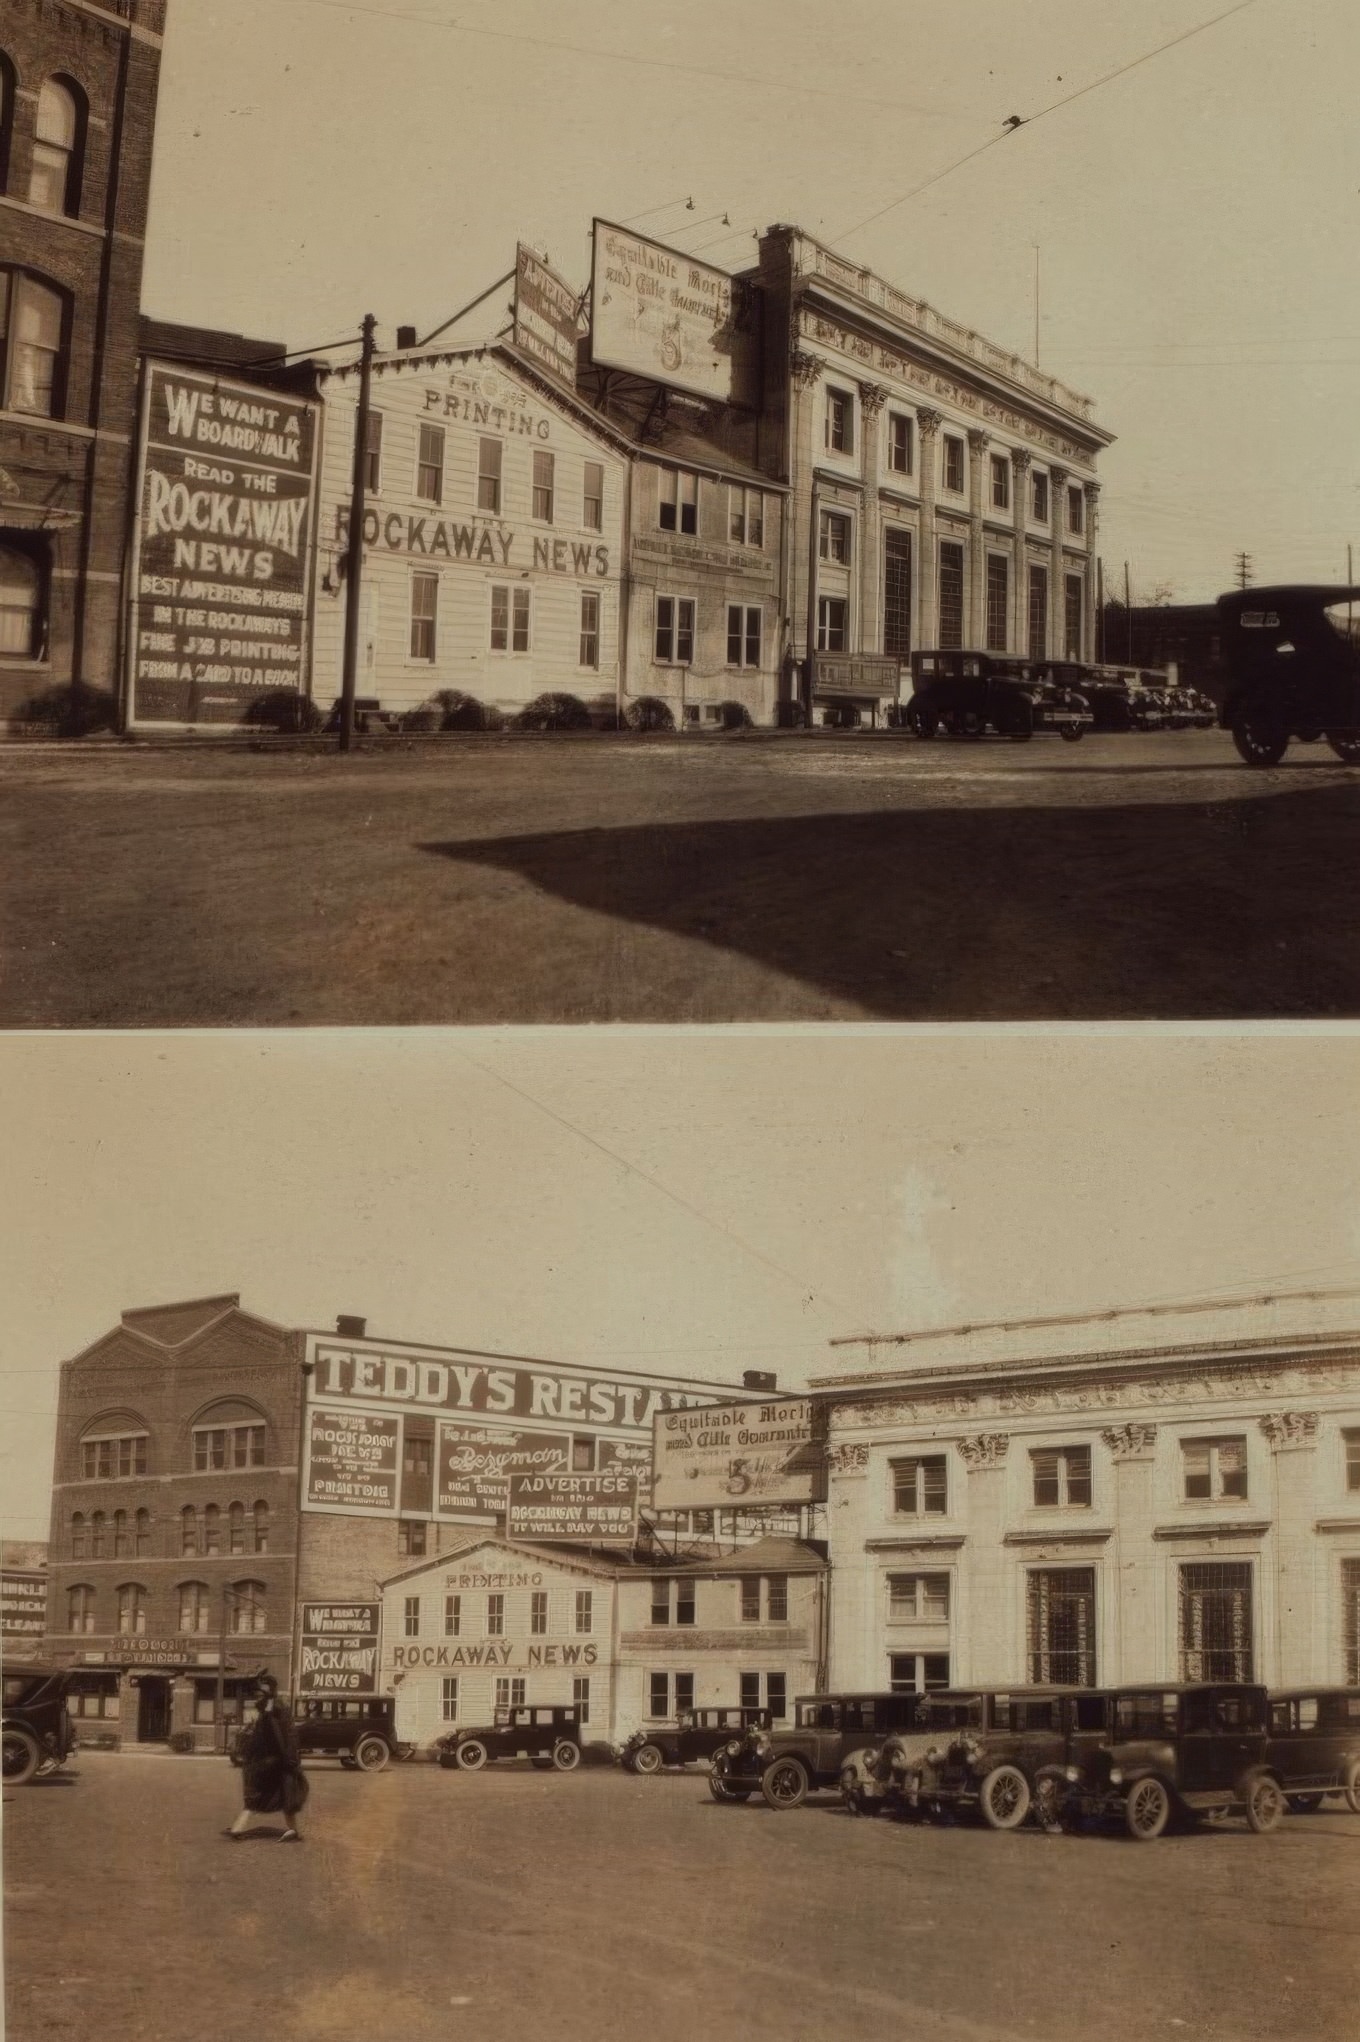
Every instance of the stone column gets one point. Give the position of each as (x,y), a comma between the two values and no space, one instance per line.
(978,443)
(801,596)
(928,425)
(1295,1650)
(1130,1639)
(870,635)
(986,1655)
(1057,592)
(1091,490)
(850,1653)
(1019,622)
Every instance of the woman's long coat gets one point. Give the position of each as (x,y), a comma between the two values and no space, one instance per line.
(272,1763)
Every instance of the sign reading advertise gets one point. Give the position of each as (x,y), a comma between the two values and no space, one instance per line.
(352,1462)
(339,1651)
(656,312)
(740,1454)
(226,499)
(477,1461)
(23,1606)
(547,317)
(596,1510)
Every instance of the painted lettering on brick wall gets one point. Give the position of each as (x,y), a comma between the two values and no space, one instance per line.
(504,1390)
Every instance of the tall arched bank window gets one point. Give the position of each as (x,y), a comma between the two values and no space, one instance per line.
(32,345)
(54,181)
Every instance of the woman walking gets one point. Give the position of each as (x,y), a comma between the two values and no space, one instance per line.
(272,1775)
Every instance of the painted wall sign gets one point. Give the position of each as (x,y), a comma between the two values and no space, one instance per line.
(352,1461)
(477,1461)
(657,312)
(485,545)
(547,317)
(583,1509)
(23,1605)
(738,1453)
(225,524)
(339,1647)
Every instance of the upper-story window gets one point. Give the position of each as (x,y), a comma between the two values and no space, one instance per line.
(1062,1477)
(672,1602)
(1076,509)
(834,538)
(585,1610)
(132,1601)
(1351,1442)
(678,504)
(953,463)
(410,1537)
(1038,497)
(1215,1470)
(544,464)
(745,516)
(430,464)
(105,1458)
(1001,482)
(900,449)
(538,1613)
(920,1486)
(495,1616)
(54,180)
(776,1598)
(592,497)
(228,1446)
(489,476)
(32,345)
(80,1607)
(22,607)
(840,422)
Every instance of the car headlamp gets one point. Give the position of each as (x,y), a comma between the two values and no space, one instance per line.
(1116,1776)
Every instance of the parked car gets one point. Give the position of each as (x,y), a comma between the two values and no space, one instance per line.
(1176,1753)
(967,694)
(986,1753)
(550,1735)
(1293,670)
(695,1734)
(38,1734)
(358,1730)
(786,1765)
(1314,1747)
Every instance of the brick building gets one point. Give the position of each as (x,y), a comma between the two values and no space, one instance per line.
(78,85)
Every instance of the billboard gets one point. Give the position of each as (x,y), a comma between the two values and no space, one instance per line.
(226,499)
(598,1510)
(547,317)
(353,1458)
(738,1454)
(339,1648)
(657,312)
(23,1610)
(477,1461)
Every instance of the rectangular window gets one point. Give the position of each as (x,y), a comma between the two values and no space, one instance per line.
(840,422)
(411,1536)
(750,1690)
(230,1446)
(750,1600)
(411,1616)
(538,1613)
(580,1694)
(1076,509)
(1038,497)
(592,497)
(678,508)
(583,1454)
(1038,613)
(777,1599)
(951,594)
(32,318)
(918,1598)
(1350,1620)
(448,1698)
(658,1694)
(684,1602)
(777,1695)
(900,454)
(543,486)
(1215,1620)
(897,593)
(1001,482)
(1215,1471)
(661,1602)
(453,1615)
(430,464)
(424,605)
(585,1611)
(373,453)
(833,614)
(745,516)
(1351,1442)
(918,1673)
(684,1693)
(590,629)
(1073,607)
(489,476)
(509,618)
(103,1459)
(1062,1477)
(495,1616)
(998,601)
(953,463)
(1061,1616)
(743,635)
(834,540)
(510,1693)
(919,1486)
(675,630)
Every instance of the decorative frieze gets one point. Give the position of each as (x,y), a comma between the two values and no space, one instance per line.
(1132,1442)
(1289,1428)
(983,1450)
(849,1459)
(1267,1384)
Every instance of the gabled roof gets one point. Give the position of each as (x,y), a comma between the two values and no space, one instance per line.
(772,1555)
(575,1557)
(171,1325)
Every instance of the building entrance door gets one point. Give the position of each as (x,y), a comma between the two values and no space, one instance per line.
(153,1710)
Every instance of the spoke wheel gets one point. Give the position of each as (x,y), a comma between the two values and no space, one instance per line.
(1072,733)
(471,1755)
(22,1757)
(785,1783)
(1351,1790)
(1147,1810)
(924,722)
(720,1790)
(1004,1797)
(566,1756)
(1259,741)
(1265,1804)
(371,1754)
(648,1759)
(1302,1804)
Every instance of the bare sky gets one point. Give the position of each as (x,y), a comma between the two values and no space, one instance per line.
(1195,218)
(702,1202)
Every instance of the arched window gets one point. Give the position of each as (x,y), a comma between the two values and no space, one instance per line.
(97,1536)
(132,1609)
(78,1536)
(80,1607)
(58,144)
(143,1531)
(247,1606)
(262,1527)
(212,1528)
(33,345)
(122,1542)
(22,604)
(195,1606)
(236,1528)
(188,1529)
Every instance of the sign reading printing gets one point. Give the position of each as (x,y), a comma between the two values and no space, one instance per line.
(546,317)
(657,312)
(352,1461)
(477,1461)
(339,1654)
(738,1453)
(595,1510)
(226,502)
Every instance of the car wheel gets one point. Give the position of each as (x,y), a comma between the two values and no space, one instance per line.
(923,722)
(22,1757)
(470,1755)
(720,1788)
(1049,1798)
(1072,733)
(1265,1804)
(1302,1804)
(648,1758)
(785,1783)
(371,1754)
(1147,1810)
(851,1797)
(1260,740)
(1004,1797)
(566,1756)
(1351,1789)
(1346,745)
(971,725)
(350,1764)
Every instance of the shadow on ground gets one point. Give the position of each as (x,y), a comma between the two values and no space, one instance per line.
(1238,909)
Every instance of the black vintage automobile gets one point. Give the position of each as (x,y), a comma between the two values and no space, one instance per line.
(548,1734)
(1293,670)
(784,1766)
(359,1731)
(1314,1746)
(967,694)
(986,1754)
(38,1736)
(695,1734)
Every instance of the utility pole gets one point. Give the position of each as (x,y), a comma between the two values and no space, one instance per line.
(1128,619)
(1243,568)
(355,553)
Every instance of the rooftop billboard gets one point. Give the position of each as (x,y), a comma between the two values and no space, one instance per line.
(661,314)
(738,1454)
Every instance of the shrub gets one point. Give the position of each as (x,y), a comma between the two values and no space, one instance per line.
(554,712)
(181,1740)
(459,711)
(734,715)
(428,716)
(77,711)
(649,712)
(284,711)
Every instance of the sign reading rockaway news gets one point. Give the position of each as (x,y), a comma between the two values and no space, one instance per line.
(339,1648)
(352,1462)
(596,1510)
(546,317)
(657,312)
(738,1454)
(477,1461)
(226,504)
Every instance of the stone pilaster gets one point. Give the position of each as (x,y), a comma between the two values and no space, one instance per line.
(1130,1641)
(871,400)
(976,634)
(993,1656)
(1297,1651)
(1057,586)
(928,425)
(1091,490)
(1021,461)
